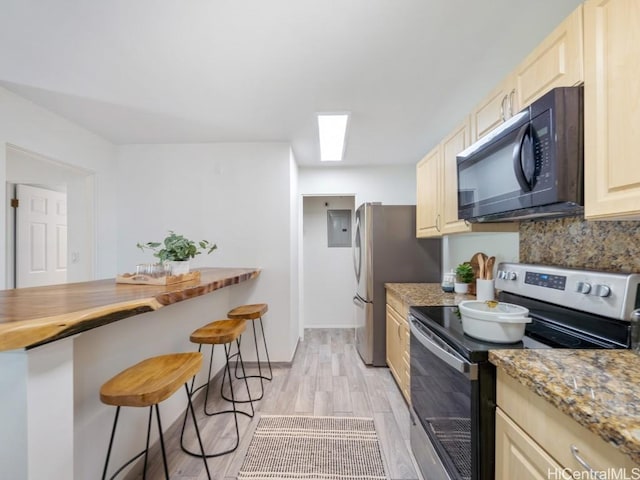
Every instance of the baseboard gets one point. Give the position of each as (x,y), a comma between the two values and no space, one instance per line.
(315,327)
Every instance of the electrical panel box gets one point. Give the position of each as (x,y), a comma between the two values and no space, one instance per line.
(339,228)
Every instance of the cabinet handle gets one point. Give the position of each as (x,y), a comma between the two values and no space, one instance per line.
(576,454)
(512,96)
(502,109)
(438,222)
(399,326)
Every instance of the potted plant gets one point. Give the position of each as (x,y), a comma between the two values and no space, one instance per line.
(176,250)
(464,276)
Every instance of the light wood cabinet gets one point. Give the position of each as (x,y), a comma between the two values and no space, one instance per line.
(398,342)
(493,109)
(437,190)
(533,435)
(611,112)
(428,178)
(517,455)
(556,62)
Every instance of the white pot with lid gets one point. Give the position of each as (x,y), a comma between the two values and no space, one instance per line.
(492,321)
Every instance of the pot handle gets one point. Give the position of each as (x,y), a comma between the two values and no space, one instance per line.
(515,319)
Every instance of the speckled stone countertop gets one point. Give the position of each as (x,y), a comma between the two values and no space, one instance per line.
(600,389)
(426,294)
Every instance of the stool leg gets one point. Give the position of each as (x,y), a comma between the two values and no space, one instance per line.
(146,450)
(244,377)
(113,434)
(264,340)
(266,351)
(195,423)
(164,454)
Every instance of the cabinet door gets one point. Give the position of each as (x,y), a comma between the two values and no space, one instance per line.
(394,355)
(457,141)
(556,62)
(493,109)
(428,195)
(519,456)
(611,109)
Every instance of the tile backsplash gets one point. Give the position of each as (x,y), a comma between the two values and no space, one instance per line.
(575,242)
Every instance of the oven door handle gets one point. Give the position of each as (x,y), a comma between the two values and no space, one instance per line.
(443,352)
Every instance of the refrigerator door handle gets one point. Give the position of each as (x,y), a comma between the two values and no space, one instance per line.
(358,302)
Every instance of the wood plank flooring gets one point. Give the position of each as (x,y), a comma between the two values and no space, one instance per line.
(327,377)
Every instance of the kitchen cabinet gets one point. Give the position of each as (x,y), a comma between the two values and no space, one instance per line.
(428,195)
(437,190)
(533,436)
(556,62)
(611,109)
(398,342)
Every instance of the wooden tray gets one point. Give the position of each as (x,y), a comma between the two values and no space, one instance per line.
(140,279)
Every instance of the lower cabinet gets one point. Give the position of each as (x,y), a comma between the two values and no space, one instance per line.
(535,440)
(398,342)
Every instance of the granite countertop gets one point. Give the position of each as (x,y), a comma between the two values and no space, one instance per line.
(426,294)
(32,316)
(600,389)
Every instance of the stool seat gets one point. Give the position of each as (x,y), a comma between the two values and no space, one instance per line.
(249,312)
(219,332)
(151,381)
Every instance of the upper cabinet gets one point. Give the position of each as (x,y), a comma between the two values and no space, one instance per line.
(612,109)
(556,62)
(428,193)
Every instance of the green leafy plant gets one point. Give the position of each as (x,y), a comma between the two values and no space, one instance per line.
(464,273)
(177,248)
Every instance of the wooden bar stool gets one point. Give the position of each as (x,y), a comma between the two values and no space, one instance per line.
(146,384)
(254,312)
(220,332)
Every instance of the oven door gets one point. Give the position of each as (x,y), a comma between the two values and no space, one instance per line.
(444,417)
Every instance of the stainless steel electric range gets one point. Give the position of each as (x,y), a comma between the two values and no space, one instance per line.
(453,383)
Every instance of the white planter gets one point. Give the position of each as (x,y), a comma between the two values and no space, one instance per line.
(177,268)
(461,287)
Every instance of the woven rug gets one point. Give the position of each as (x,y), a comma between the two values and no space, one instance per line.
(312,448)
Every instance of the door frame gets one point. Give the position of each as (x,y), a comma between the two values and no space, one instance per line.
(85,182)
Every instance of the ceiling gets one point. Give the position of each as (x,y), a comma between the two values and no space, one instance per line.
(192,71)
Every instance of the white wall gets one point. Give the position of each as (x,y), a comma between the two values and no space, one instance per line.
(236,195)
(329,281)
(460,248)
(32,128)
(391,185)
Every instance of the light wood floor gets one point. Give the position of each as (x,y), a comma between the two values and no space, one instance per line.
(327,377)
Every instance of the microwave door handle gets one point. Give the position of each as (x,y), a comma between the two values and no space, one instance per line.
(517,159)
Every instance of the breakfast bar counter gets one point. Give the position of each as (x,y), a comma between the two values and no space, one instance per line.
(59,343)
(32,316)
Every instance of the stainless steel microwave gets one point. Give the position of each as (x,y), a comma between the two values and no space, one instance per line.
(531,166)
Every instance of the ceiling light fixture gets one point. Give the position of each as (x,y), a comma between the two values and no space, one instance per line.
(332,128)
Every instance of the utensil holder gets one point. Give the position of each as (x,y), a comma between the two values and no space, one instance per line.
(485,290)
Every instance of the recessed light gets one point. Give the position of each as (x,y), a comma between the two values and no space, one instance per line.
(332,128)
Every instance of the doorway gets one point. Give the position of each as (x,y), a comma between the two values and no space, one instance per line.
(56,243)
(328,278)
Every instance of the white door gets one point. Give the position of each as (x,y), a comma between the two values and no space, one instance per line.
(41,237)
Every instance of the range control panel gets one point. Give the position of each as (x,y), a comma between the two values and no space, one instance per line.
(613,295)
(547,280)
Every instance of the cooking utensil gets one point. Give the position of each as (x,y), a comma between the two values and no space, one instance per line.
(488,268)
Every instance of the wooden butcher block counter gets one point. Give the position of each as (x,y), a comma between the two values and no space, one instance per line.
(33,316)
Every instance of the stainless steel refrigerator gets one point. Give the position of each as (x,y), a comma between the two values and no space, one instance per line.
(386,250)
